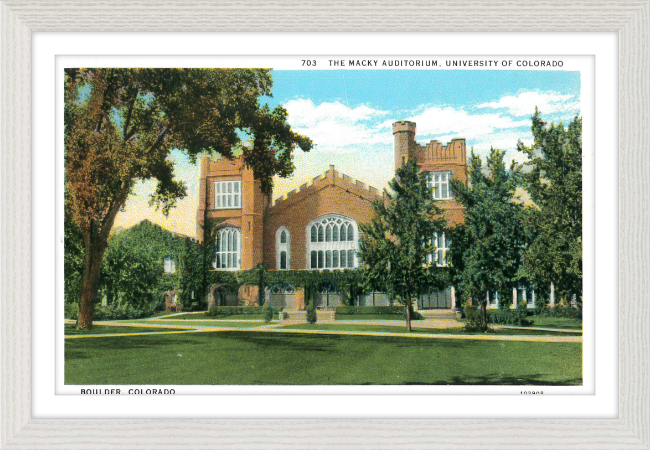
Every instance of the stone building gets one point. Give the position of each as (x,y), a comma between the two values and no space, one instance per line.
(316,226)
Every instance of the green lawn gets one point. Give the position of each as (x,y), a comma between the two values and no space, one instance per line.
(556,322)
(233,357)
(398,329)
(70,330)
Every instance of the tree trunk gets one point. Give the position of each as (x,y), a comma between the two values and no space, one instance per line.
(484,314)
(90,281)
(408,315)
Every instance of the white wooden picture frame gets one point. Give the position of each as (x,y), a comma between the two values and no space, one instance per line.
(631,19)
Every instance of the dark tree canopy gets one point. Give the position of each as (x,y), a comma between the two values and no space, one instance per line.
(394,246)
(555,185)
(492,239)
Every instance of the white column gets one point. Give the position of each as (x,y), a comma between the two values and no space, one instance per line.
(551,301)
(532,294)
(496,300)
(453,298)
(514,298)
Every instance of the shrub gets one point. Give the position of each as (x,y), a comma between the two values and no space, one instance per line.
(268,312)
(350,310)
(474,320)
(509,317)
(236,310)
(415,315)
(561,311)
(71,311)
(122,312)
(311,314)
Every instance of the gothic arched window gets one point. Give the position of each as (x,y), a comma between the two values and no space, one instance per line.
(228,250)
(283,248)
(333,241)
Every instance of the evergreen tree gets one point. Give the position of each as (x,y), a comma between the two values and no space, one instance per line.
(555,185)
(490,242)
(395,245)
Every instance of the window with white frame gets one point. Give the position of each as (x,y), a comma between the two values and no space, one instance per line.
(169,265)
(283,248)
(227,194)
(332,243)
(440,183)
(228,251)
(440,246)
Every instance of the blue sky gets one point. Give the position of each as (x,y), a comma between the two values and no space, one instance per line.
(348,114)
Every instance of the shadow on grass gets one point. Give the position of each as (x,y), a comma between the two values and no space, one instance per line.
(497,379)
(301,343)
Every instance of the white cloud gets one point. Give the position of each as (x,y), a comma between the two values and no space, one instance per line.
(436,121)
(524,103)
(337,126)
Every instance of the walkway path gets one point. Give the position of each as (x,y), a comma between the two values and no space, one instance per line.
(274,327)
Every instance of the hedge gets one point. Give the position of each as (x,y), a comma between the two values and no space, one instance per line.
(236,310)
(560,311)
(111,312)
(508,317)
(350,310)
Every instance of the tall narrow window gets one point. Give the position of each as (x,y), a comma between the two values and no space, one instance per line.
(168,265)
(440,183)
(283,248)
(332,243)
(228,249)
(227,194)
(440,246)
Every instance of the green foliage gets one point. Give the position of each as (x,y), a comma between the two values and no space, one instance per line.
(509,317)
(267,311)
(237,310)
(355,310)
(311,314)
(350,282)
(71,311)
(73,261)
(133,267)
(395,245)
(415,315)
(474,321)
(561,311)
(555,185)
(486,250)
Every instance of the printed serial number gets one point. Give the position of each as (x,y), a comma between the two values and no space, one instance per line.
(531,392)
(308,62)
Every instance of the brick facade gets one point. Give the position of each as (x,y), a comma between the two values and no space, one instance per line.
(259,220)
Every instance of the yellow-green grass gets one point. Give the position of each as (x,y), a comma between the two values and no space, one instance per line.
(234,357)
(419,330)
(70,330)
(220,317)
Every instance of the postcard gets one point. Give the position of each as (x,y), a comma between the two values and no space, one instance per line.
(344,222)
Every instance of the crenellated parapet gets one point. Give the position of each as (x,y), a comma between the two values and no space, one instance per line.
(434,151)
(331,178)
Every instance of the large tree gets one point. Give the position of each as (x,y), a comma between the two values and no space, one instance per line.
(395,245)
(555,185)
(491,240)
(121,124)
